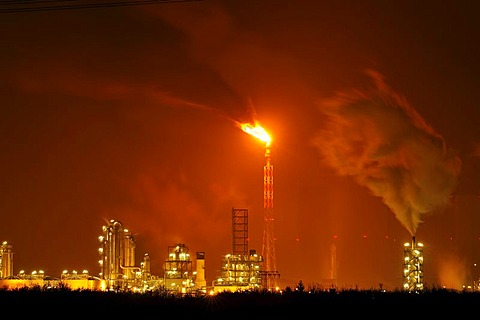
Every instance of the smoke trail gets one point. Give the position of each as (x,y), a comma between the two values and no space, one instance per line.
(376,137)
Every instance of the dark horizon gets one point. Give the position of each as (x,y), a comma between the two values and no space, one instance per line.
(237,305)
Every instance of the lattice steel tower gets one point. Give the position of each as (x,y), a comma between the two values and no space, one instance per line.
(269,273)
(240,231)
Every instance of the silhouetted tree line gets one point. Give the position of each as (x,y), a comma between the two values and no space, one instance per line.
(292,303)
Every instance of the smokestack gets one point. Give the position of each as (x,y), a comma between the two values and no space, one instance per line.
(200,279)
(413,243)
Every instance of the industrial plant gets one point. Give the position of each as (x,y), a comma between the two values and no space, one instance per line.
(242,269)
(184,273)
(119,270)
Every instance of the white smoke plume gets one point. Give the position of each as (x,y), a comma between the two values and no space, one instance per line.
(377,138)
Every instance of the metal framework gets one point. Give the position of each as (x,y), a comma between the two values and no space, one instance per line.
(240,270)
(269,272)
(240,231)
(179,276)
(413,267)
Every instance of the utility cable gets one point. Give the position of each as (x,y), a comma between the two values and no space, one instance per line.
(10,6)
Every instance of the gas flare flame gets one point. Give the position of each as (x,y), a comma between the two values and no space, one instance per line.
(257,131)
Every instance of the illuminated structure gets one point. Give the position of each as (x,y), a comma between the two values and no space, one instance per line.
(117,255)
(239,273)
(118,269)
(179,276)
(37,278)
(117,263)
(200,276)
(413,266)
(269,272)
(241,270)
(6,260)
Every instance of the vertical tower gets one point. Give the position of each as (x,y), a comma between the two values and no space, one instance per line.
(6,260)
(413,266)
(145,267)
(112,252)
(200,277)
(333,264)
(270,273)
(117,254)
(242,269)
(240,231)
(129,262)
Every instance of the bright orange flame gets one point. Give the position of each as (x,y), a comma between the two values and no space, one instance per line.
(258,132)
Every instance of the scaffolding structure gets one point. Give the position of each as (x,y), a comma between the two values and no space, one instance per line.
(179,276)
(413,267)
(242,269)
(239,273)
(240,231)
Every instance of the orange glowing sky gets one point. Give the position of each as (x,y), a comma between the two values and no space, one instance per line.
(132,114)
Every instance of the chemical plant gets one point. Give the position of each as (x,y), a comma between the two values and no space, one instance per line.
(241,270)
(119,271)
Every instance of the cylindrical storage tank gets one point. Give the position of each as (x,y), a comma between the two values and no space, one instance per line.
(115,249)
(146,263)
(129,254)
(7,260)
(146,266)
(200,279)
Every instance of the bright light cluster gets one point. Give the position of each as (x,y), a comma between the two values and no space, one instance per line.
(258,132)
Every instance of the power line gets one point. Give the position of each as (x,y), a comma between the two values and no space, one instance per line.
(10,6)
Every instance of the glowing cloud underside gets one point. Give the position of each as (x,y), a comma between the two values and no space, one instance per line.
(258,132)
(384,144)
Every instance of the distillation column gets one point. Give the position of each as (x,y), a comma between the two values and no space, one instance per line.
(6,260)
(117,255)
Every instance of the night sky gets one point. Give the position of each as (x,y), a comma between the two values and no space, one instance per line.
(131,113)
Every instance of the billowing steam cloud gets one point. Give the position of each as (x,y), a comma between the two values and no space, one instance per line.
(376,137)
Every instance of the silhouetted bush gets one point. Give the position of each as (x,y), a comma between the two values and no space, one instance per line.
(63,302)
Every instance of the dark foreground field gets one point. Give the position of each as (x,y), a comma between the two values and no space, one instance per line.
(68,304)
